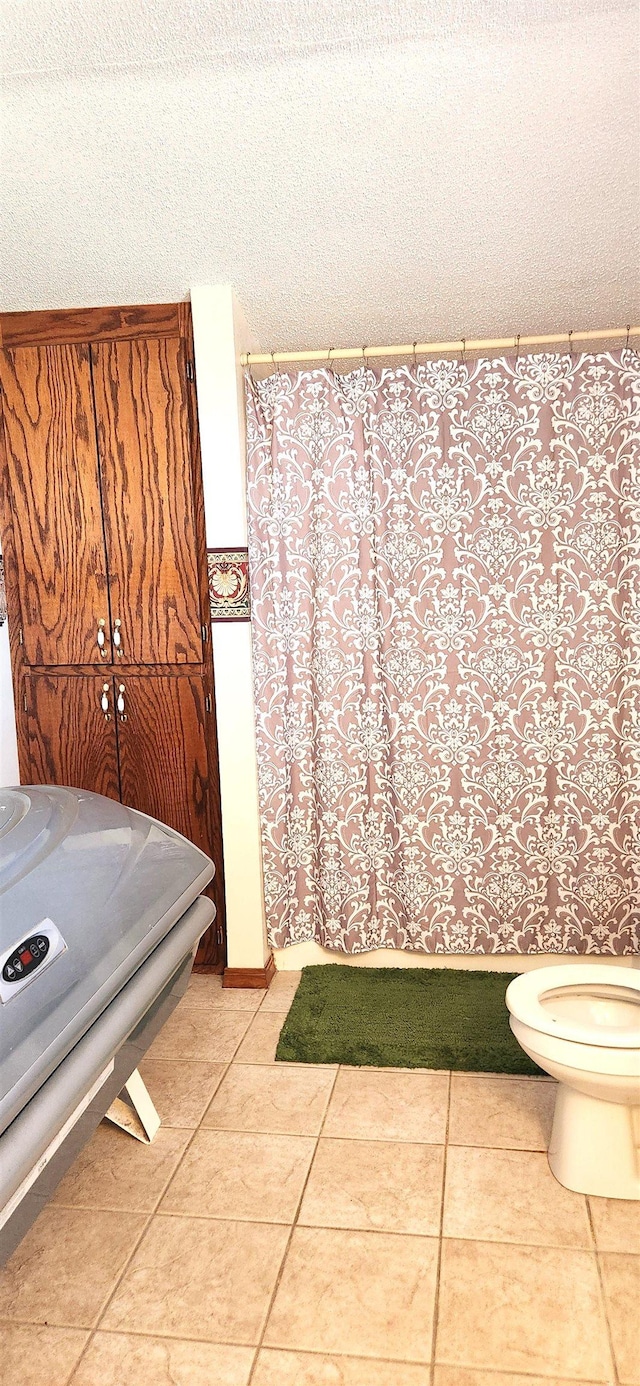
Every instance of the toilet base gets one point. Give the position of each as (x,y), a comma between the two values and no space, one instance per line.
(594,1147)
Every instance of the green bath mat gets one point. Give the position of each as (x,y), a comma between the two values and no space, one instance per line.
(402,1018)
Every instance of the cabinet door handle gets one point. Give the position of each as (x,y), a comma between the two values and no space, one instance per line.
(117,638)
(102,639)
(104,702)
(120,703)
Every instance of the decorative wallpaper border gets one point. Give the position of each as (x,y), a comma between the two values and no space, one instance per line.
(228,571)
(228,585)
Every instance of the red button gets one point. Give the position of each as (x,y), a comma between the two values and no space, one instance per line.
(25,957)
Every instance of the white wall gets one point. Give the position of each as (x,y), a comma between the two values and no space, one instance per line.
(308,954)
(220,335)
(9,773)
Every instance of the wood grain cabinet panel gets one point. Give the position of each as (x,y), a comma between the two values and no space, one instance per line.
(70,740)
(52,468)
(102,513)
(147,492)
(163,751)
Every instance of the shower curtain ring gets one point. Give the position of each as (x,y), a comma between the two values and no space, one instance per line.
(626,345)
(415,361)
(364,357)
(464,347)
(329,357)
(571,344)
(517,347)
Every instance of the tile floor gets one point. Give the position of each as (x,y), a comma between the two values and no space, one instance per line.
(320,1226)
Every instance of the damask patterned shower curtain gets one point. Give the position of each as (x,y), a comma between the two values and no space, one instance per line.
(445,570)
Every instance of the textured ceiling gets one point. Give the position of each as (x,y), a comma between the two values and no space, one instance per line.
(360,172)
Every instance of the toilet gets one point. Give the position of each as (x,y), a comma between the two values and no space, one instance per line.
(581,1024)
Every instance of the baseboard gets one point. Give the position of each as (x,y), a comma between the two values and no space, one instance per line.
(255,977)
(300,955)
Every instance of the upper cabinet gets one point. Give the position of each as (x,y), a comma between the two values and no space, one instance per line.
(52,465)
(98,458)
(147,495)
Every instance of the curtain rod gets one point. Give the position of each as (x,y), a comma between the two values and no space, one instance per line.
(274,358)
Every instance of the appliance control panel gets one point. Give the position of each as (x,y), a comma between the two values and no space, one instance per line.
(19,964)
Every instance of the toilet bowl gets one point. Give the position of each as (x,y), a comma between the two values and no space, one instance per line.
(581,1024)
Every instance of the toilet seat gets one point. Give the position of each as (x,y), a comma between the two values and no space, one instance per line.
(525,996)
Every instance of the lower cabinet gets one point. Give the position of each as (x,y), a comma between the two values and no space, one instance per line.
(163,751)
(71,739)
(136,737)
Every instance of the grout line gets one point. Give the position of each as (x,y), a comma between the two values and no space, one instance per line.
(292,1352)
(436,1301)
(326,1226)
(115,1287)
(539,1377)
(291,1232)
(285,1065)
(358,1140)
(616,1377)
(349,1356)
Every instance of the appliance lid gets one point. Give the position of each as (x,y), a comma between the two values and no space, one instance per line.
(98,885)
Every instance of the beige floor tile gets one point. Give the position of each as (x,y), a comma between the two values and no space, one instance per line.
(464,1376)
(621,1277)
(217,1277)
(522,1309)
(380,1185)
(66,1266)
(242,1175)
(366,1294)
(511,1196)
(388,1105)
(181,1089)
(281,992)
(197,1033)
(208,993)
(261,1040)
(616,1224)
(119,1359)
(310,1369)
(271,1097)
(115,1171)
(506,1113)
(33,1355)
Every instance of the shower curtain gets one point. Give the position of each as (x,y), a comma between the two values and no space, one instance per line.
(445,582)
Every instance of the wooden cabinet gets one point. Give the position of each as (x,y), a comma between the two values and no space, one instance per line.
(103,533)
(97,445)
(69,739)
(52,474)
(162,744)
(143,439)
(139,738)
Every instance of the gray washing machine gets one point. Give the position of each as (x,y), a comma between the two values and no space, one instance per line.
(100,916)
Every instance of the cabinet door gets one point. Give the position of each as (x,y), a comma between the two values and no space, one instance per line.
(163,751)
(52,464)
(145,467)
(71,740)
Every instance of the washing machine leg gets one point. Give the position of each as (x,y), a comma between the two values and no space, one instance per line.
(137,1115)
